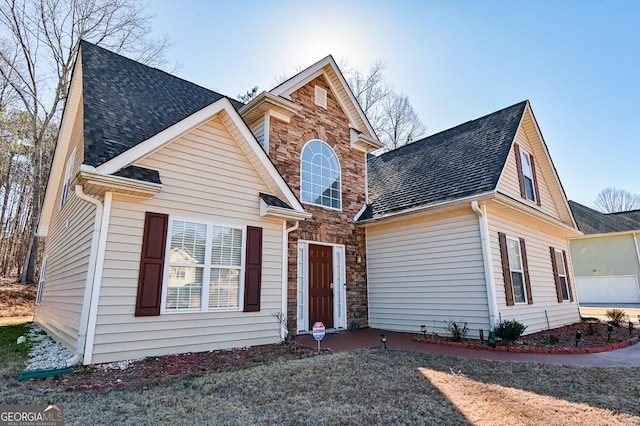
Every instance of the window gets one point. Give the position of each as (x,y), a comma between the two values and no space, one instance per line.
(320,175)
(561,275)
(205,265)
(41,281)
(68,177)
(527,174)
(515,270)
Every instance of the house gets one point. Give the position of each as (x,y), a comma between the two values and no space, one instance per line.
(177,219)
(470,224)
(606,259)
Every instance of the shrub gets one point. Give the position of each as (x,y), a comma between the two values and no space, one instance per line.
(509,330)
(458,330)
(616,316)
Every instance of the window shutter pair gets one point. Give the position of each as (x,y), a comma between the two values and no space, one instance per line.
(506,270)
(523,193)
(556,277)
(152,257)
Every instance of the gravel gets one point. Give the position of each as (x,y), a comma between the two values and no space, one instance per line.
(45,353)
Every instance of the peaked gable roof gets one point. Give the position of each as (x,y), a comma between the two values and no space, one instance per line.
(591,221)
(338,84)
(126,102)
(461,162)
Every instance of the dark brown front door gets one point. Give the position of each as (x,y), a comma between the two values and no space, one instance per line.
(320,279)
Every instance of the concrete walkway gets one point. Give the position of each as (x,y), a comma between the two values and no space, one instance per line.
(370,338)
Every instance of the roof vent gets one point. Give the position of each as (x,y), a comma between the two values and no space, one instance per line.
(321,97)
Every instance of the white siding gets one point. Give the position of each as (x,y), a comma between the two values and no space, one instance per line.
(427,271)
(206,176)
(68,245)
(545,301)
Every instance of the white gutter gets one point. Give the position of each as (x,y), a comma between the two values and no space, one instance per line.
(488,261)
(88,289)
(635,240)
(285,276)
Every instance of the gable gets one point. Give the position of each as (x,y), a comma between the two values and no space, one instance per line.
(528,138)
(338,87)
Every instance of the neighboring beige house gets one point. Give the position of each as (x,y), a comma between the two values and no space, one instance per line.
(606,259)
(470,224)
(177,219)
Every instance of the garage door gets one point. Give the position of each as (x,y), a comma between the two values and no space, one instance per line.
(607,290)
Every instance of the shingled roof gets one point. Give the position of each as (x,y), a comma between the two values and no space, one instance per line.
(126,102)
(460,162)
(591,221)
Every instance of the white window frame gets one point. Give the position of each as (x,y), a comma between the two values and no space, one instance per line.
(42,280)
(525,159)
(339,285)
(66,186)
(520,271)
(302,181)
(207,266)
(563,284)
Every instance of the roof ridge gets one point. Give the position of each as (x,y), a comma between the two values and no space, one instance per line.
(137,63)
(423,140)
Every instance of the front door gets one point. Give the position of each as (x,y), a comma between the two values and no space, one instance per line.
(320,285)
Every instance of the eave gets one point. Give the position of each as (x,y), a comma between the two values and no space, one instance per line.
(364,143)
(275,212)
(264,103)
(97,184)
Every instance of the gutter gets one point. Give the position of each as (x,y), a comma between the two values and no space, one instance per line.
(88,290)
(489,280)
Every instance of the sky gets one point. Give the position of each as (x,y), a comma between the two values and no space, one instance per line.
(577,62)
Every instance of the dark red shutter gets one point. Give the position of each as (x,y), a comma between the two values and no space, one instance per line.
(508,290)
(566,271)
(535,179)
(253,269)
(516,149)
(525,267)
(556,277)
(151,273)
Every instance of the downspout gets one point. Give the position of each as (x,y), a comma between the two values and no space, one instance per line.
(635,240)
(285,276)
(88,292)
(488,263)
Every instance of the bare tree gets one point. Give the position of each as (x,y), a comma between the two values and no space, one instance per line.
(390,114)
(400,124)
(41,39)
(613,200)
(249,95)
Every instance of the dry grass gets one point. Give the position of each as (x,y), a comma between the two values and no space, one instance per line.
(365,387)
(16,300)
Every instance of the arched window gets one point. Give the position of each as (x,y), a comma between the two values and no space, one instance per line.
(320,175)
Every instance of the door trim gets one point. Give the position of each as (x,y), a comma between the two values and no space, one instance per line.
(302,285)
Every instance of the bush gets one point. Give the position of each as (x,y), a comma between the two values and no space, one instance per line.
(458,330)
(616,316)
(509,331)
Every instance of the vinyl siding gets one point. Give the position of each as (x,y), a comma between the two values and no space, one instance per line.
(257,129)
(605,256)
(206,177)
(67,247)
(426,270)
(543,288)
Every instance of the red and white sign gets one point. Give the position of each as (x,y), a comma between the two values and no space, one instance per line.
(318,331)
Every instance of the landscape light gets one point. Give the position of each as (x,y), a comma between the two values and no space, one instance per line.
(609,331)
(630,328)
(481,332)
(424,330)
(383,339)
(578,337)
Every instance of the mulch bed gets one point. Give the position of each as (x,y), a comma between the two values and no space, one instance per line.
(152,370)
(595,338)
